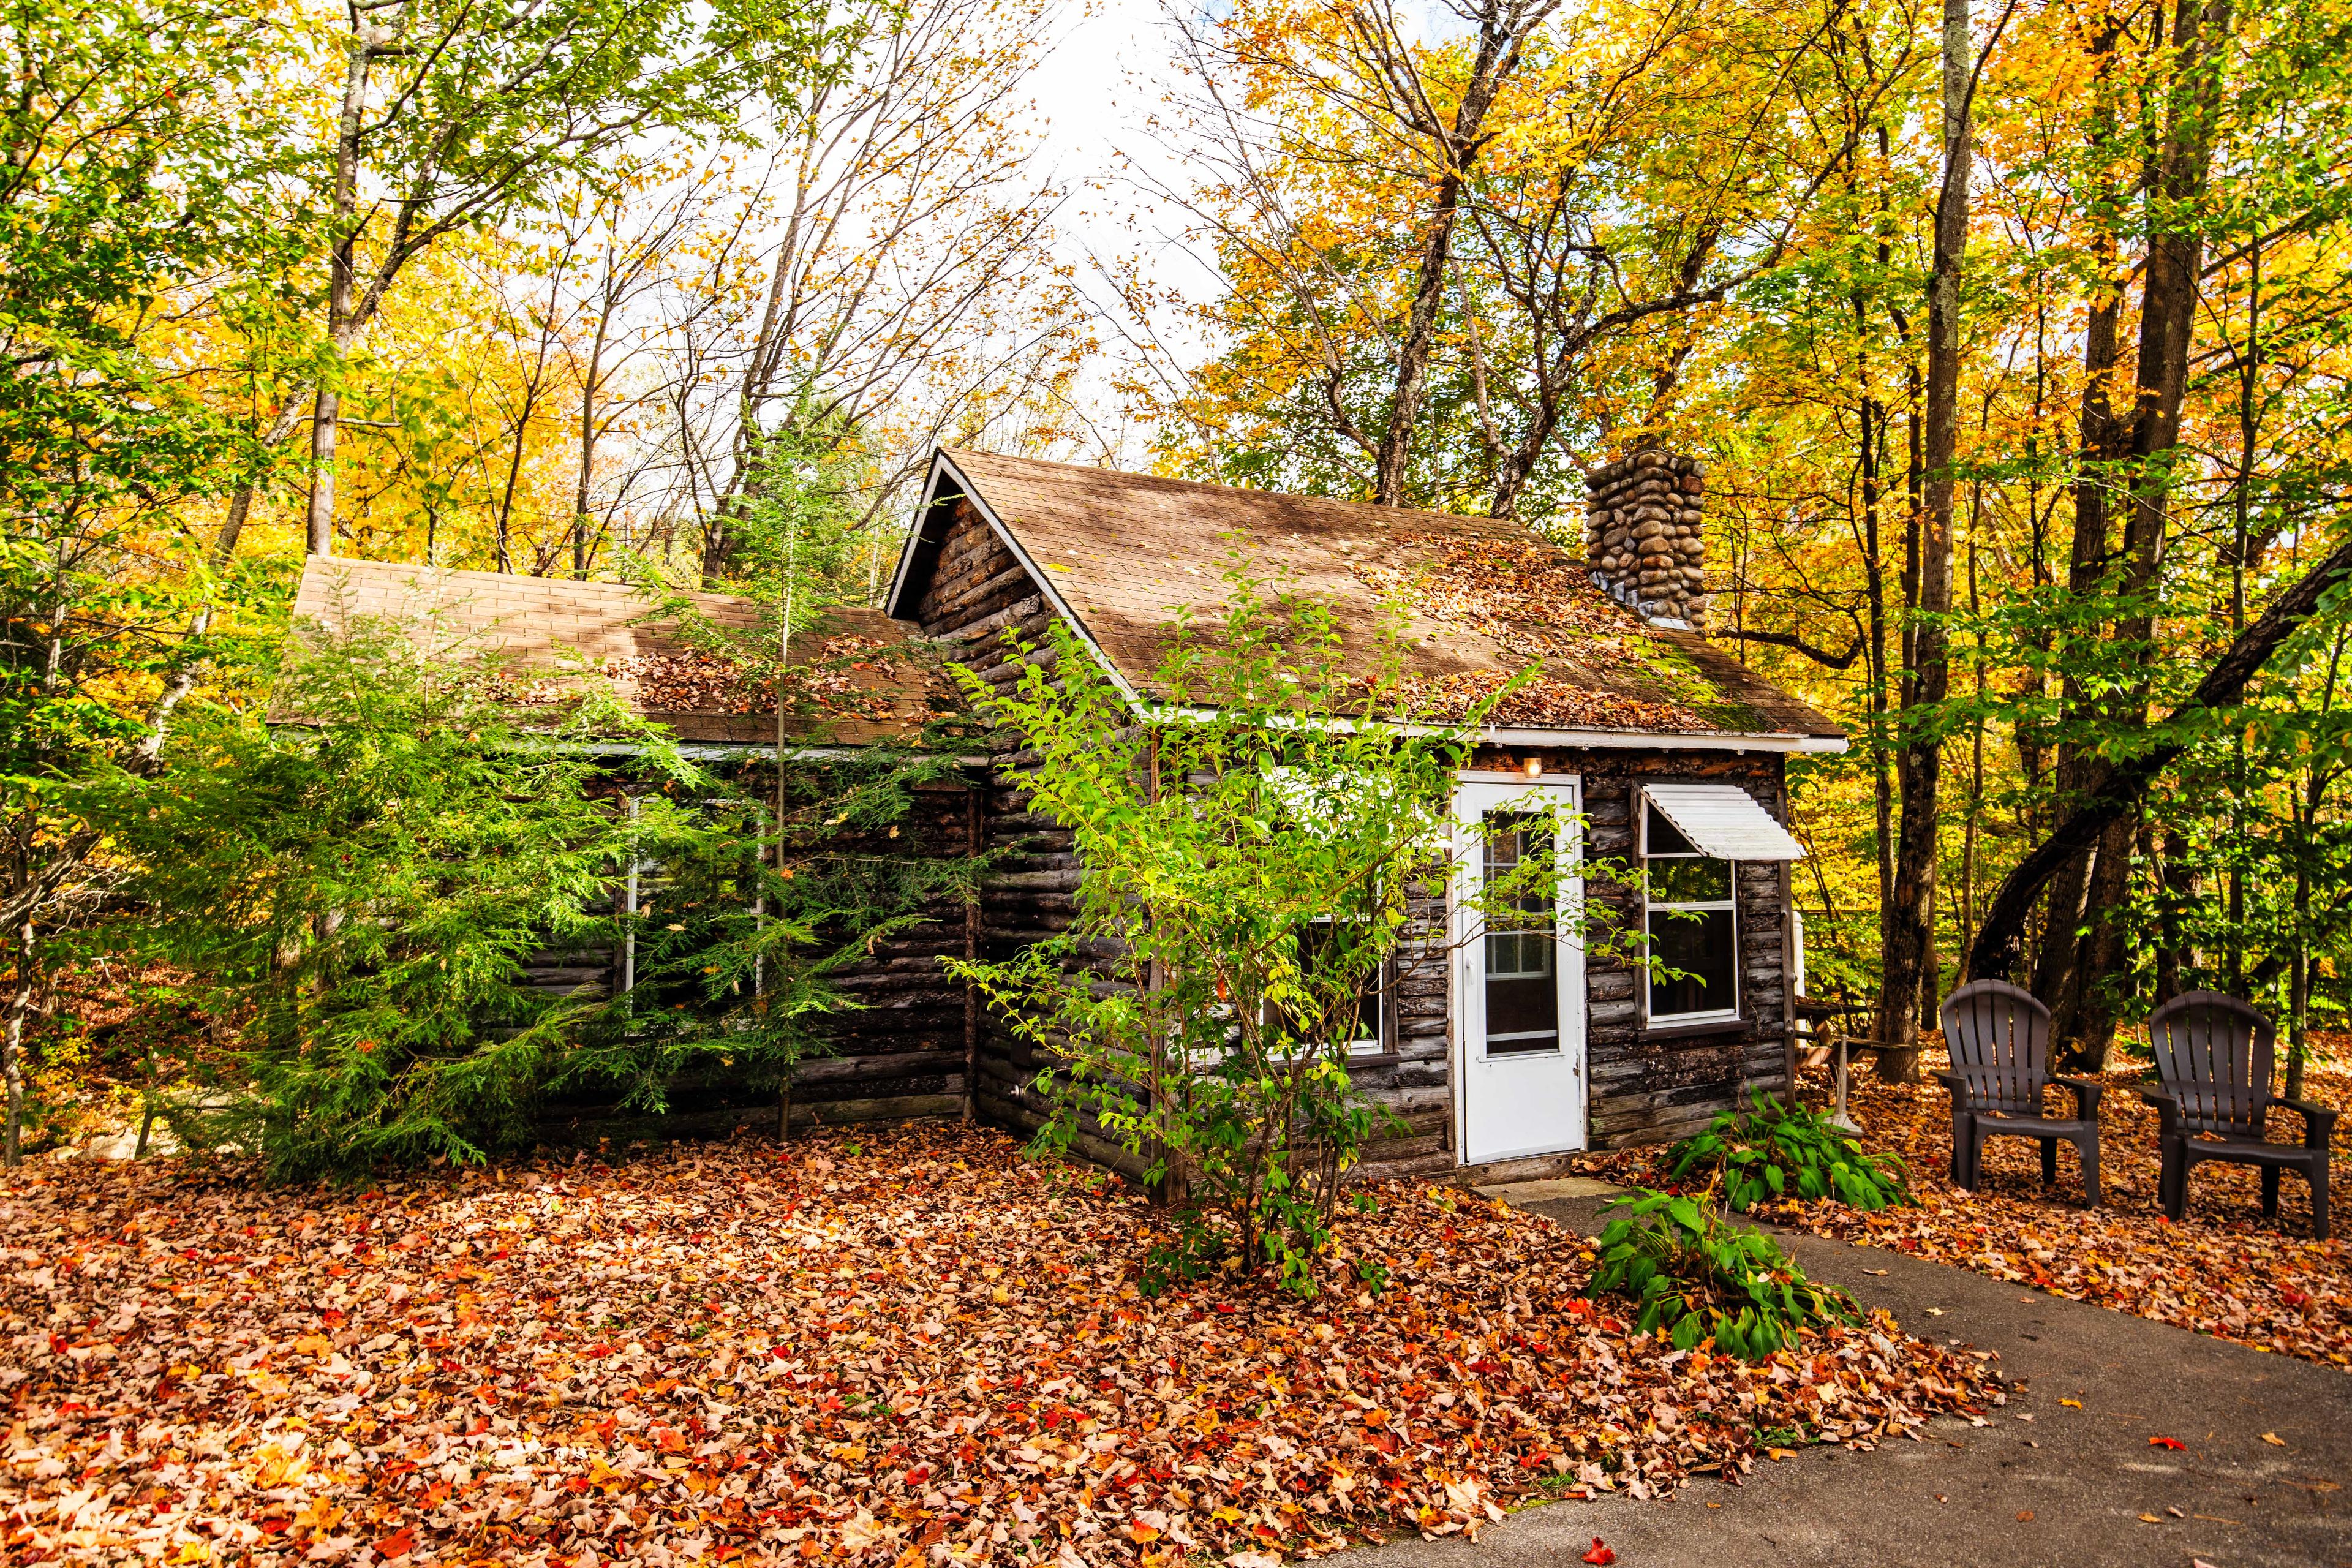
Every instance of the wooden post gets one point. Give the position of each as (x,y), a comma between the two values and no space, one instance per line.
(1788,964)
(974,815)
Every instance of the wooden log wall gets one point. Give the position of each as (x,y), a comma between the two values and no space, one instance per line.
(898,1055)
(978,591)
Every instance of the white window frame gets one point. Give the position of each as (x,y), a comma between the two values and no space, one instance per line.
(1375,1044)
(1730,1014)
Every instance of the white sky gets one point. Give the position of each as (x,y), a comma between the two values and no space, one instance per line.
(1098,91)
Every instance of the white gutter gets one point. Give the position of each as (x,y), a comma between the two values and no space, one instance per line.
(1666,740)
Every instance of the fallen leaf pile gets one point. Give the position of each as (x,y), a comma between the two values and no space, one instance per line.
(1544,702)
(915,1346)
(2224,1271)
(1540,605)
(845,675)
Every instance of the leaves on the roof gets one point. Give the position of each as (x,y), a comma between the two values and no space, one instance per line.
(1600,665)
(870,1345)
(846,676)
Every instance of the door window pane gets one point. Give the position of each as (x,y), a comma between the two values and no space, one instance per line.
(1522,943)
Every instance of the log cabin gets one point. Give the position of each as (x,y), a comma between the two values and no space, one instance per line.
(1508,1055)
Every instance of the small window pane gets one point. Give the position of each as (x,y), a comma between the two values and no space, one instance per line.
(1663,837)
(1689,881)
(1357,1024)
(1703,948)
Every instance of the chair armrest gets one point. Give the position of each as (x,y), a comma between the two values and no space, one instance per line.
(2086,1093)
(2318,1121)
(1959,1087)
(2168,1109)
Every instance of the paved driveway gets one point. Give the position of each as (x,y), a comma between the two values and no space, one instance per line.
(2065,1475)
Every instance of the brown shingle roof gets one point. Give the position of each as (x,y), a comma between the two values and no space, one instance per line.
(863,683)
(1483,598)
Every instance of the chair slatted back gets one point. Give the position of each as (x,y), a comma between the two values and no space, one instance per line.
(1999,1038)
(2215,1054)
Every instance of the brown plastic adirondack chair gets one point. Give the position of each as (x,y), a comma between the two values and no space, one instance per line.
(2214,1058)
(1999,1038)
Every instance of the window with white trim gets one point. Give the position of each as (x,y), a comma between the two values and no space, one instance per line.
(1367,1036)
(1693,927)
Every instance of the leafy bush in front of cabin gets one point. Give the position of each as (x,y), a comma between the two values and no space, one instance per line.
(1254,845)
(1774,1151)
(1693,1275)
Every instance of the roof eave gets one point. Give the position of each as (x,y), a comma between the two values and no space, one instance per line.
(1665,740)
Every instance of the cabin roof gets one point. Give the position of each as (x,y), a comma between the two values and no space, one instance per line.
(861,678)
(1120,555)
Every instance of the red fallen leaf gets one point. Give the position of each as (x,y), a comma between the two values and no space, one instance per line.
(2165,1443)
(274,1526)
(58,1344)
(1600,1554)
(399,1543)
(597,1353)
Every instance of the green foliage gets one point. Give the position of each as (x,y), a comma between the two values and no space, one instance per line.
(738,960)
(1693,1277)
(1773,1150)
(1251,857)
(363,884)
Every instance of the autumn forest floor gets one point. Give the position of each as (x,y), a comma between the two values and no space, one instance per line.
(911,1346)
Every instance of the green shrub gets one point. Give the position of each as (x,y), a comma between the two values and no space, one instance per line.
(1776,1152)
(1692,1277)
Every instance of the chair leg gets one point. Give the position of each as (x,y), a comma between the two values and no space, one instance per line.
(2317,1172)
(1962,1124)
(2270,1192)
(2174,1183)
(2049,1161)
(2086,1148)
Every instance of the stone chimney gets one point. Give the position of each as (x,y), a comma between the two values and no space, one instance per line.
(1641,535)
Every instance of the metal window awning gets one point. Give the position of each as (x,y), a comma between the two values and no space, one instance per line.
(1723,821)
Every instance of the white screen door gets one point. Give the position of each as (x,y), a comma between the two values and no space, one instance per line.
(1518,975)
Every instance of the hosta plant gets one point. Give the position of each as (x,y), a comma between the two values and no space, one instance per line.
(1693,1277)
(1776,1151)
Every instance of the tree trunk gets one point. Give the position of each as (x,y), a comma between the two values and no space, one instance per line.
(2056,973)
(580,551)
(12,1045)
(342,267)
(1412,356)
(1911,923)
(2169,304)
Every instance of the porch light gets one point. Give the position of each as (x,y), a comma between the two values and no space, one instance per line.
(1534,766)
